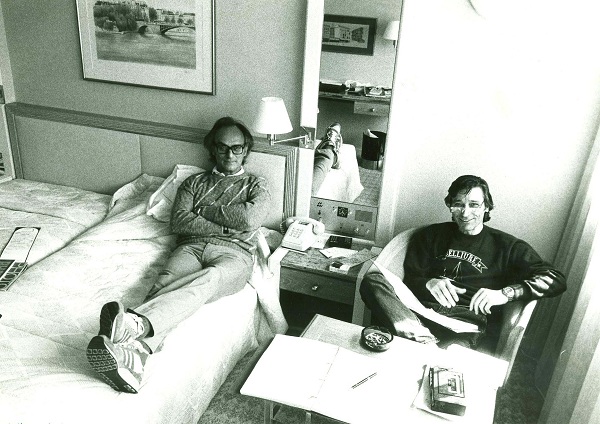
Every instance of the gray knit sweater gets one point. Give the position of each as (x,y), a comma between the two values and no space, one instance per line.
(223,210)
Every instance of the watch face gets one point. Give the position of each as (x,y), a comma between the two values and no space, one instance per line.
(508,292)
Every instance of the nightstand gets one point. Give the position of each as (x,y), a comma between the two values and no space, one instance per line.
(309,288)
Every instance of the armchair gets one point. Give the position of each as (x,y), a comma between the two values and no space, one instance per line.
(516,315)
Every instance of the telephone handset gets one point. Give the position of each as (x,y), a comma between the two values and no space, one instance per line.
(300,232)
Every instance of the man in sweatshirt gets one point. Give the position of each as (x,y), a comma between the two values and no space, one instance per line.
(462,269)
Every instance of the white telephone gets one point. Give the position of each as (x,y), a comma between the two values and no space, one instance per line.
(300,232)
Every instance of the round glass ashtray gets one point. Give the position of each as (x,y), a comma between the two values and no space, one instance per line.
(376,338)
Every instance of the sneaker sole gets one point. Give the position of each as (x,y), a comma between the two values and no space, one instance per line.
(104,363)
(108,315)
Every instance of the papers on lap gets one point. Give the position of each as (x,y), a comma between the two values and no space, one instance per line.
(410,300)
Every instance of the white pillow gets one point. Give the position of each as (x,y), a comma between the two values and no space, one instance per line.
(161,201)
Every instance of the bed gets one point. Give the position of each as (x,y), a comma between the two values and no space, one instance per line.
(343,184)
(60,212)
(51,312)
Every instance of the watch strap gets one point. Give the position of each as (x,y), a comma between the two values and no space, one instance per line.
(509,292)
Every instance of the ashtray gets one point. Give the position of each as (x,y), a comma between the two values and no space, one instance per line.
(376,338)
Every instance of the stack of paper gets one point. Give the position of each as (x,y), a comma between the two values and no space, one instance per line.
(319,377)
(410,300)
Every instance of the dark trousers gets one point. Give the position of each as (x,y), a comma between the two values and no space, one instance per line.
(388,311)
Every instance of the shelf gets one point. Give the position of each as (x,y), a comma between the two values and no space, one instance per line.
(353,98)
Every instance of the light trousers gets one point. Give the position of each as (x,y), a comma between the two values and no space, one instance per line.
(194,275)
(323,161)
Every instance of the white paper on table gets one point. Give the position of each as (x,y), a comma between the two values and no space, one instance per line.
(337,252)
(320,241)
(291,371)
(319,377)
(486,369)
(374,401)
(410,300)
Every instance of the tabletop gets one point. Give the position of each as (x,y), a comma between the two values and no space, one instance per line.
(407,361)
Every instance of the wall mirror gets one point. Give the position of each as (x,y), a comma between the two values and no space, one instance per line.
(338,82)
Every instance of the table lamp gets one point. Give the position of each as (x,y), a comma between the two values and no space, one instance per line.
(391,31)
(272,118)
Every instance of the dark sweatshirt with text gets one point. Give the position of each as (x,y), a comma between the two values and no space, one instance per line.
(491,259)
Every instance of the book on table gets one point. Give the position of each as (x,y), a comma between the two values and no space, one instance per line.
(326,379)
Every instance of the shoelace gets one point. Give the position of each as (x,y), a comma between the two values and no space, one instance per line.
(138,325)
(334,136)
(134,327)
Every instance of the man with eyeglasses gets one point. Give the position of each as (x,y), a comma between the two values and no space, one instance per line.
(216,216)
(462,269)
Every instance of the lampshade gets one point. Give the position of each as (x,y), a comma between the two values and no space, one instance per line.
(272,117)
(391,31)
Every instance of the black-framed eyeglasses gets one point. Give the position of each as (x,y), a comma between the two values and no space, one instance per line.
(236,149)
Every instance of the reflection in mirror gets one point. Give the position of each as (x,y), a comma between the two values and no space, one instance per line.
(354,90)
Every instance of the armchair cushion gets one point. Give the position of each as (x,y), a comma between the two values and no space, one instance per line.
(393,254)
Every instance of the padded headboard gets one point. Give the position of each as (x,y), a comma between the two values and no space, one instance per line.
(102,153)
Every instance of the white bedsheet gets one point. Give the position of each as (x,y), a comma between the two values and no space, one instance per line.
(51,313)
(343,184)
(60,212)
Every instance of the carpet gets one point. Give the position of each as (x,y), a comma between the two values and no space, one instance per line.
(517,403)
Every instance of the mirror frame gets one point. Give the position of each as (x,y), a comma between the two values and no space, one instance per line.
(386,217)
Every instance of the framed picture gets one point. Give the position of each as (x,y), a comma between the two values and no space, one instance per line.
(159,43)
(349,34)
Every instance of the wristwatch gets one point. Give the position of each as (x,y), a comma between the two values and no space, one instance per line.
(509,292)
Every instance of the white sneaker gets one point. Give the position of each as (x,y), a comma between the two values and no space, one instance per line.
(333,138)
(119,325)
(120,365)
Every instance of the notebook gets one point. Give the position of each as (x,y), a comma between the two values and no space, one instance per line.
(13,260)
(326,379)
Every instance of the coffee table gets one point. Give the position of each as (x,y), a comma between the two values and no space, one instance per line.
(406,360)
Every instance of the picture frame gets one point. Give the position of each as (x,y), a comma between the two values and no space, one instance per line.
(349,34)
(169,47)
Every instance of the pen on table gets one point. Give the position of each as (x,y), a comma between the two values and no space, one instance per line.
(364,380)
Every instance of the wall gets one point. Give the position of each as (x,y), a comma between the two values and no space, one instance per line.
(377,69)
(6,86)
(513,97)
(259,52)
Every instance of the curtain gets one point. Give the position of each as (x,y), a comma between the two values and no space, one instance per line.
(568,370)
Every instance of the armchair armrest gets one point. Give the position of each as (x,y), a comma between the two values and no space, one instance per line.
(361,315)
(514,323)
